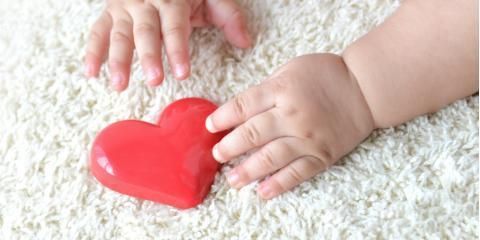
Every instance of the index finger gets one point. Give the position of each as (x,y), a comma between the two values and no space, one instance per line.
(253,101)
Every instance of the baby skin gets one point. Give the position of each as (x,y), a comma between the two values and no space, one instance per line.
(316,108)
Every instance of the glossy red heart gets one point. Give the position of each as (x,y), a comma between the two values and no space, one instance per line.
(169,163)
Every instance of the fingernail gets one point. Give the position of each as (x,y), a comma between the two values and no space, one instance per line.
(181,70)
(117,80)
(209,125)
(216,153)
(265,191)
(232,178)
(88,70)
(153,74)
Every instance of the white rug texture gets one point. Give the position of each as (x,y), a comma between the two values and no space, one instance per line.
(417,180)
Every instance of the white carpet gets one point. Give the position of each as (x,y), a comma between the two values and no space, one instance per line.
(419,180)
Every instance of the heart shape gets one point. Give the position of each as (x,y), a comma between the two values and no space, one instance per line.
(169,163)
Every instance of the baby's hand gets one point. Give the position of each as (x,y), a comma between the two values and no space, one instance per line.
(302,119)
(146,24)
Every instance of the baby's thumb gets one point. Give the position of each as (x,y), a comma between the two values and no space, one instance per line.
(228,16)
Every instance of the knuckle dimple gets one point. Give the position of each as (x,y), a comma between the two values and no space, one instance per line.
(326,158)
(95,35)
(308,134)
(266,159)
(121,37)
(173,30)
(239,107)
(294,174)
(325,154)
(251,134)
(143,29)
(120,31)
(316,163)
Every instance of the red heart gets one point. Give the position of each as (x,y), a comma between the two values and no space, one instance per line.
(169,163)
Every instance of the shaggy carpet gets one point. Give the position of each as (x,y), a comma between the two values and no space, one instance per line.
(417,180)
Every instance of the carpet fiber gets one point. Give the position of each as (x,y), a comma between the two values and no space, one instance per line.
(417,180)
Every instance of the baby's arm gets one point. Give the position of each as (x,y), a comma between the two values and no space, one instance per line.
(419,60)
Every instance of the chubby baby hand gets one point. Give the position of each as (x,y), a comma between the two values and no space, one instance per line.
(299,121)
(149,24)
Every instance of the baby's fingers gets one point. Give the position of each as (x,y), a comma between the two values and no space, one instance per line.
(146,25)
(271,157)
(253,101)
(290,176)
(121,49)
(175,22)
(97,45)
(228,16)
(256,132)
